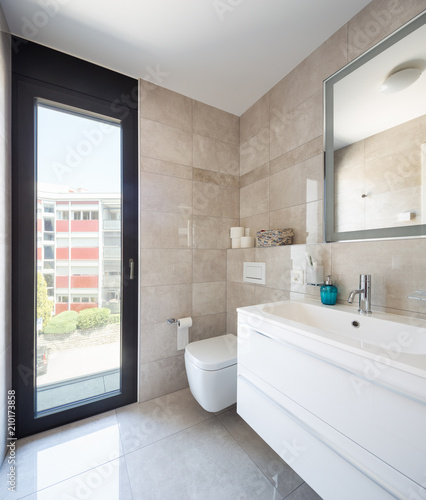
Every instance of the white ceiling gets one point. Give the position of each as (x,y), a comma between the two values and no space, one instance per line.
(226,53)
(358,95)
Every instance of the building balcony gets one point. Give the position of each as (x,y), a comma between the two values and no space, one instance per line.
(111,281)
(112,224)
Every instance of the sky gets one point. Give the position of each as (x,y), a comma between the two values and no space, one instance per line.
(77,151)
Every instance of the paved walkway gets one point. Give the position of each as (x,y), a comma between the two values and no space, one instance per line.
(80,362)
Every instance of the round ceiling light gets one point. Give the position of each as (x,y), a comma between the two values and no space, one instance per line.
(400,80)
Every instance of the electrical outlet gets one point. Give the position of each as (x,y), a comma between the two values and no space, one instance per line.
(297,276)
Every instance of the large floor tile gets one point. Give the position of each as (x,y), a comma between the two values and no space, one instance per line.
(144,423)
(202,462)
(109,481)
(275,469)
(304,492)
(54,456)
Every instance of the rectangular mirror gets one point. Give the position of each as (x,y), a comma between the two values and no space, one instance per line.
(375,140)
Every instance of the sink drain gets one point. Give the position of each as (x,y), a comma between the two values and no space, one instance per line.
(355,324)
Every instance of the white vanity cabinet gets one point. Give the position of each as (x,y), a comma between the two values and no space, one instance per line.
(346,436)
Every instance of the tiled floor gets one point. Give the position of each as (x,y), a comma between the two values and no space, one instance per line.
(167,448)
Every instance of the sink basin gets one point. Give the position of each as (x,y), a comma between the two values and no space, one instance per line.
(397,340)
(379,329)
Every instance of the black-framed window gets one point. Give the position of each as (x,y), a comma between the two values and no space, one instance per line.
(42,75)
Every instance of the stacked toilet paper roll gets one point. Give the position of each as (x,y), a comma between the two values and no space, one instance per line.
(240,238)
(247,242)
(183,325)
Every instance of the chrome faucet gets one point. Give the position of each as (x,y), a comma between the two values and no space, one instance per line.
(364,293)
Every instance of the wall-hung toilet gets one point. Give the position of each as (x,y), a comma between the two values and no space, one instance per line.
(211,367)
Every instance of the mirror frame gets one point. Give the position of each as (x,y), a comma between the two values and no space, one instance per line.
(390,232)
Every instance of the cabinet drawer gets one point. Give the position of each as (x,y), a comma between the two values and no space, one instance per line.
(327,473)
(385,423)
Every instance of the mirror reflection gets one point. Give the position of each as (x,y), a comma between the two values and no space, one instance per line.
(376,151)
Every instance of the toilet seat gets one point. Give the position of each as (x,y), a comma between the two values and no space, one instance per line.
(213,354)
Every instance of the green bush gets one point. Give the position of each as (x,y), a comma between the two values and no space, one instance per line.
(68,315)
(89,318)
(114,318)
(64,322)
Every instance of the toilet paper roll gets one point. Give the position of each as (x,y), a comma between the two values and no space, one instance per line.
(236,242)
(237,232)
(183,325)
(247,242)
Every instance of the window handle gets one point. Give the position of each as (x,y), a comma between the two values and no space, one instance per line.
(132,269)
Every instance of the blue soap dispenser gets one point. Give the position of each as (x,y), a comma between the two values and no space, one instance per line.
(328,292)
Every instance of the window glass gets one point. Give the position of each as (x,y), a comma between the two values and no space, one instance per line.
(48,252)
(48,224)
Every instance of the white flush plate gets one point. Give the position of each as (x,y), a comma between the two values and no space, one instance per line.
(254,272)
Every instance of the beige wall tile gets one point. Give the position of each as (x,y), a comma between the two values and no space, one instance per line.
(301,124)
(383,209)
(157,342)
(379,19)
(165,266)
(209,265)
(265,295)
(232,324)
(163,142)
(396,140)
(349,178)
(395,173)
(239,295)
(351,156)
(235,262)
(166,168)
(255,175)
(215,123)
(212,232)
(307,78)
(254,199)
(163,230)
(165,106)
(387,168)
(299,184)
(208,298)
(161,193)
(254,119)
(218,156)
(201,175)
(278,265)
(206,327)
(256,223)
(214,200)
(305,220)
(315,222)
(304,152)
(158,303)
(162,377)
(394,266)
(255,152)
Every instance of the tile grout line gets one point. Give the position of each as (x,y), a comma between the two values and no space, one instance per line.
(167,437)
(244,451)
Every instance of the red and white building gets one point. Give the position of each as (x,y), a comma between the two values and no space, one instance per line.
(79,247)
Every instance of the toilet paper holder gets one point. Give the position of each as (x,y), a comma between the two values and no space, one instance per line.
(172,321)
